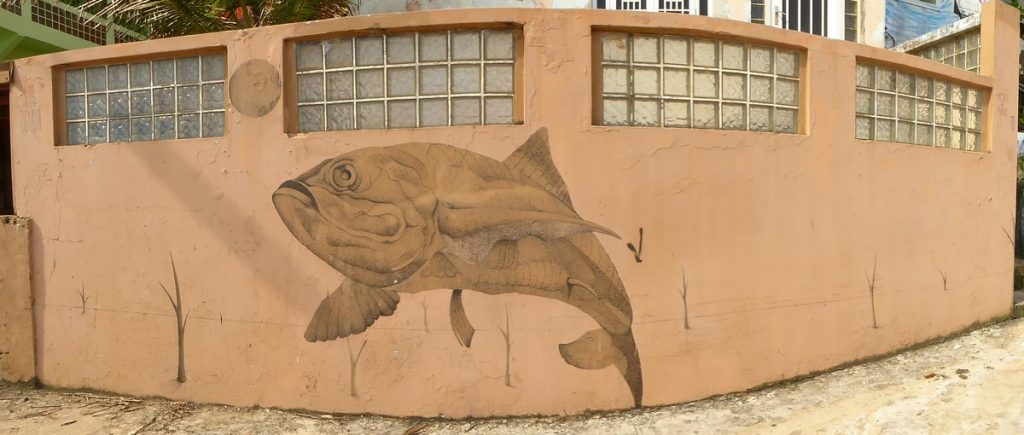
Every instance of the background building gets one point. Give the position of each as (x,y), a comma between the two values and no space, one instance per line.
(852,20)
(908,19)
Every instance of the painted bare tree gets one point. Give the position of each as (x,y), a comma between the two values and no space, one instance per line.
(508,349)
(83,297)
(426,326)
(871,289)
(181,321)
(353,360)
(686,308)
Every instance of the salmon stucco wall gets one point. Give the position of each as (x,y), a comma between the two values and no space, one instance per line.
(772,238)
(17,342)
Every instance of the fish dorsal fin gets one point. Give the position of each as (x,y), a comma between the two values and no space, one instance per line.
(532,161)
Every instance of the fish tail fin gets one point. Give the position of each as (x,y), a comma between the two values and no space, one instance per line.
(351,309)
(598,349)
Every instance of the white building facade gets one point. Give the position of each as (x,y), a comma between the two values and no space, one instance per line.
(860,21)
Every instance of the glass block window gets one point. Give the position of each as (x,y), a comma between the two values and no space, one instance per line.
(151,100)
(962,51)
(674,81)
(405,80)
(897,106)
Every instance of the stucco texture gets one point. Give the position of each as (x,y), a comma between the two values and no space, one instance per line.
(776,233)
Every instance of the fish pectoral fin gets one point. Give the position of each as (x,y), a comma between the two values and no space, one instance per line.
(351,309)
(460,322)
(598,349)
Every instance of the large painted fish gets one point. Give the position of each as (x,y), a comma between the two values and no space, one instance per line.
(420,216)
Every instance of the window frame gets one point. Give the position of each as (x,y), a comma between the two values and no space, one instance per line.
(597,91)
(832,23)
(59,93)
(978,109)
(858,15)
(290,73)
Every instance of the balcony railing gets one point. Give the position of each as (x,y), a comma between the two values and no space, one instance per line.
(70,20)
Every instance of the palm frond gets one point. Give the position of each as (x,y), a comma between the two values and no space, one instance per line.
(293,11)
(164,18)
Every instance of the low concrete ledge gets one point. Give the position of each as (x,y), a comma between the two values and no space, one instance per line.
(17,338)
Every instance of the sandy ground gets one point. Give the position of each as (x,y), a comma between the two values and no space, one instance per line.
(966,385)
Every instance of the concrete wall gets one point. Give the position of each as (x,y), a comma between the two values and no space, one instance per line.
(17,340)
(771,236)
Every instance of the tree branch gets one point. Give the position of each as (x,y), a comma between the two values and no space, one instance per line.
(169,298)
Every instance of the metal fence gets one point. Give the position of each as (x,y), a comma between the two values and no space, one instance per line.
(70,20)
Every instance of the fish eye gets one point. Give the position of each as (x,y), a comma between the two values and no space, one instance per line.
(343,177)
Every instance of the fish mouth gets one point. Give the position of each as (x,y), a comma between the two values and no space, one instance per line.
(297,207)
(297,191)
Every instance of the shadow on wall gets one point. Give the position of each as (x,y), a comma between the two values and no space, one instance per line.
(413,217)
(167,165)
(6,186)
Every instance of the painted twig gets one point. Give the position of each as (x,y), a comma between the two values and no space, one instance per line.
(1013,224)
(639,249)
(181,321)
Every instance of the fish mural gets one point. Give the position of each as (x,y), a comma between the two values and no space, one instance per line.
(413,217)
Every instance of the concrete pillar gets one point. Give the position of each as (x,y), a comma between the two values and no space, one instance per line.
(17,337)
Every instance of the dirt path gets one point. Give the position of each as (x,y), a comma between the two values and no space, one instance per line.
(916,392)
